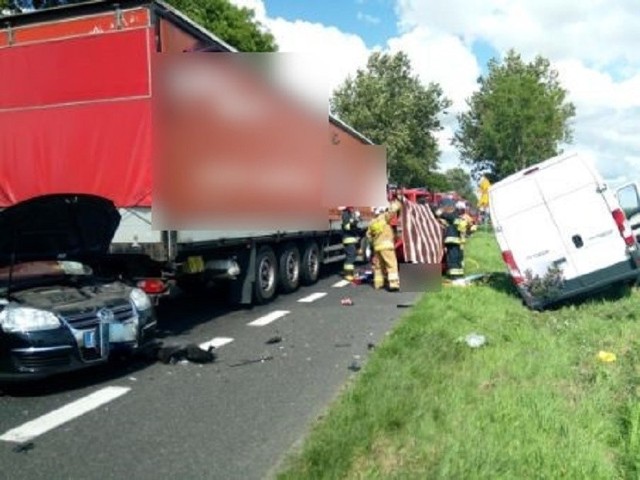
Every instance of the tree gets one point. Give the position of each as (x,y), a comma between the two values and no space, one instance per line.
(236,26)
(460,182)
(518,117)
(388,104)
(438,182)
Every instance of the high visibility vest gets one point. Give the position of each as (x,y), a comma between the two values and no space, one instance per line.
(483,200)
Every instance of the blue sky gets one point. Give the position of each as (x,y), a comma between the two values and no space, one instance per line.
(375,21)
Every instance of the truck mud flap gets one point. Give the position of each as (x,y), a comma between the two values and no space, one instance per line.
(241,291)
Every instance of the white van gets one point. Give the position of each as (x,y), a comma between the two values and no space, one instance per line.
(562,231)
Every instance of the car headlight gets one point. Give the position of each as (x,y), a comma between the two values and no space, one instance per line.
(140,299)
(25,319)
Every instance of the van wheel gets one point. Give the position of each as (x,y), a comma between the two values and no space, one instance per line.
(289,268)
(266,279)
(310,268)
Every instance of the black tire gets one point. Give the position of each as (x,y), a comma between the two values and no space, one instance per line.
(310,265)
(289,268)
(266,279)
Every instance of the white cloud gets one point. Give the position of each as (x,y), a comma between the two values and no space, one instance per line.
(597,31)
(334,54)
(365,17)
(440,58)
(256,5)
(338,54)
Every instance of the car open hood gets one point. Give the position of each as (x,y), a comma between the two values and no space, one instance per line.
(60,226)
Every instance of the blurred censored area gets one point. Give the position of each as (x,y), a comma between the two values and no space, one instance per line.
(239,144)
(420,277)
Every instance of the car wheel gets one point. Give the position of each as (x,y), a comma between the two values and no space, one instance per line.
(289,268)
(310,268)
(264,287)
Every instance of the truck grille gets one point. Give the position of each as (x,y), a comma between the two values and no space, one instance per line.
(90,319)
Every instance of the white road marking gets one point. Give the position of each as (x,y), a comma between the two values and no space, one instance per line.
(341,283)
(62,415)
(312,298)
(267,319)
(217,342)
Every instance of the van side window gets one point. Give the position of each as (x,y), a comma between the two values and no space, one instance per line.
(629,200)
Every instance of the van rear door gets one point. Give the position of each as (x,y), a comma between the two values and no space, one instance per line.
(629,200)
(577,201)
(525,227)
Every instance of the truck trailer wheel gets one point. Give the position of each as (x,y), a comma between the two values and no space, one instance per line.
(289,268)
(266,280)
(310,268)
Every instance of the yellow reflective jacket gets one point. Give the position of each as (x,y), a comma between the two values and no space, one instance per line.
(380,233)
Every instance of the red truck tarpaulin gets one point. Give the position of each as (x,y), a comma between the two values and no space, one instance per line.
(82,121)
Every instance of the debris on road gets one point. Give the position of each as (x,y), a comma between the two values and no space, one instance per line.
(371,346)
(468,280)
(346,302)
(405,305)
(354,366)
(24,447)
(249,362)
(274,340)
(606,357)
(362,277)
(191,353)
(474,340)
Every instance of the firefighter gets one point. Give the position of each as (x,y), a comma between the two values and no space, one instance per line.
(350,239)
(463,213)
(454,228)
(384,262)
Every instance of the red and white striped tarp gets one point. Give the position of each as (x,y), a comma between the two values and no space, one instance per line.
(421,234)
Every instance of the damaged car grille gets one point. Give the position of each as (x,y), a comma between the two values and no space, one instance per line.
(91,319)
(43,360)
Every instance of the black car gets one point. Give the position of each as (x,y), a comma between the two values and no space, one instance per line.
(57,312)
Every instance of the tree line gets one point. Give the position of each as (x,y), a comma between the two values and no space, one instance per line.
(518,116)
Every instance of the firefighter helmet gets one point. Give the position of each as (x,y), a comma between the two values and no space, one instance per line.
(379,210)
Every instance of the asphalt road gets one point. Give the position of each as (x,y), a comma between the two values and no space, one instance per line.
(233,419)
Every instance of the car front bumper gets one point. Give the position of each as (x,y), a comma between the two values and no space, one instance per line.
(36,355)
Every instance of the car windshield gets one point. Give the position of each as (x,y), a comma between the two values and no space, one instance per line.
(53,268)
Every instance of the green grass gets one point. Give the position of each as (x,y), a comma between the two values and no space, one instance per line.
(534,402)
